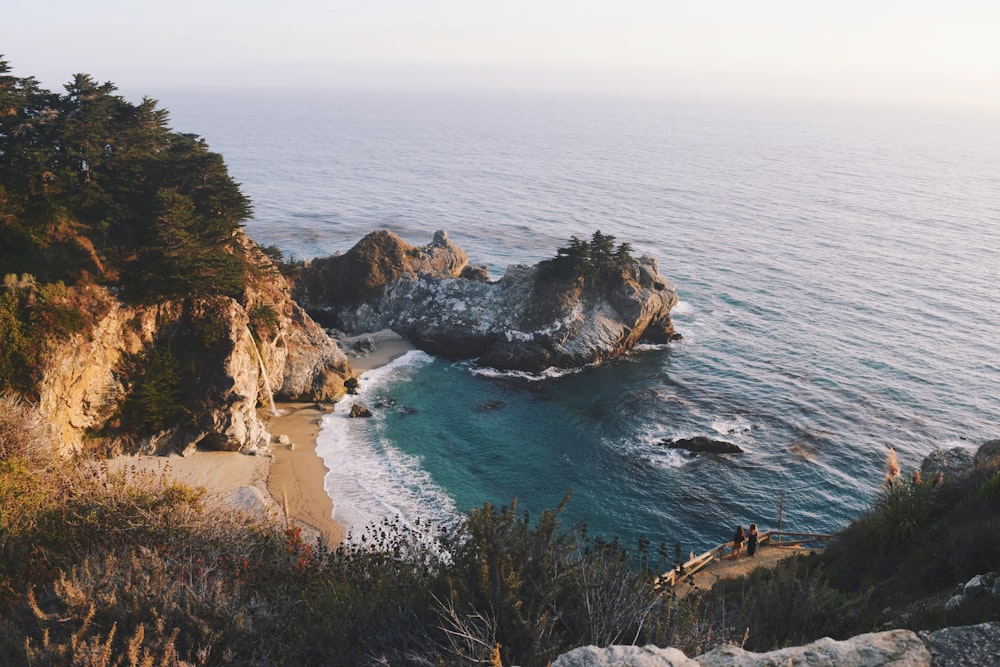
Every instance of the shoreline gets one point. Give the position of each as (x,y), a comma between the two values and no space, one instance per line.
(290,480)
(297,474)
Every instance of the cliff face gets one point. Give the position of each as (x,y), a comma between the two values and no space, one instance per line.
(186,372)
(529,320)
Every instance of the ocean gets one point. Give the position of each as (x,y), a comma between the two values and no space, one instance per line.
(837,272)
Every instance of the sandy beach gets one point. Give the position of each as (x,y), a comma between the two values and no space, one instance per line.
(291,479)
(295,478)
(297,473)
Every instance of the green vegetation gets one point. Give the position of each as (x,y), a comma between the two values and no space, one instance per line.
(593,260)
(104,568)
(94,187)
(893,567)
(263,321)
(95,190)
(30,315)
(156,402)
(101,568)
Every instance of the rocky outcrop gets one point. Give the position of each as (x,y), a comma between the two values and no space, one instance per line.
(949,462)
(704,445)
(894,647)
(529,320)
(327,285)
(959,461)
(967,646)
(988,454)
(978,586)
(215,357)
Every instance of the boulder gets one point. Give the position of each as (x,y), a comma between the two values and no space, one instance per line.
(982,583)
(893,647)
(949,462)
(360,410)
(966,646)
(988,453)
(621,656)
(704,444)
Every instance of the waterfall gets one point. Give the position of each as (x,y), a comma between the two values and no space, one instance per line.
(263,372)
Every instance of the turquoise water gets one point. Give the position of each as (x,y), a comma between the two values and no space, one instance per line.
(836,270)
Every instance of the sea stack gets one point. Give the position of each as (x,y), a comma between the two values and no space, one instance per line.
(552,314)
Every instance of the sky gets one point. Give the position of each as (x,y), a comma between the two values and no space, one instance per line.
(916,52)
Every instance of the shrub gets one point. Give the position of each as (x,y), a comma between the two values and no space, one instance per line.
(593,261)
(537,589)
(263,320)
(156,401)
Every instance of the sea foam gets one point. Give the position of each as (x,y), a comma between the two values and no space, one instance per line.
(369,479)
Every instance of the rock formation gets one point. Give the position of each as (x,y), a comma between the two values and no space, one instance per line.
(529,320)
(893,647)
(951,462)
(91,380)
(968,646)
(703,444)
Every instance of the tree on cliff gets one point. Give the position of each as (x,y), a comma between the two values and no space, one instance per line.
(95,189)
(92,186)
(593,260)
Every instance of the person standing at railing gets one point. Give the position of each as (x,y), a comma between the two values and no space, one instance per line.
(738,539)
(752,539)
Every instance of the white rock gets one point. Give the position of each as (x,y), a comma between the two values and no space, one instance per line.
(893,647)
(624,656)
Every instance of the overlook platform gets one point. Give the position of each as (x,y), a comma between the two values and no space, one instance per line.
(704,571)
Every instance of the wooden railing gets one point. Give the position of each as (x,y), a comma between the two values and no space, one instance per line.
(774,538)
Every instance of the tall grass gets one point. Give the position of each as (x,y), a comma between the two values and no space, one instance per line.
(119,569)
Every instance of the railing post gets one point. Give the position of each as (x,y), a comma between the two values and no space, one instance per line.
(781,511)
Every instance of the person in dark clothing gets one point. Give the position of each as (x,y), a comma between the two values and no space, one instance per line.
(738,539)
(752,539)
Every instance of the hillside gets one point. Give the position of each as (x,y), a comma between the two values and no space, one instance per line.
(134,307)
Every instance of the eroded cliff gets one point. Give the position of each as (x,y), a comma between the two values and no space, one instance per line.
(186,372)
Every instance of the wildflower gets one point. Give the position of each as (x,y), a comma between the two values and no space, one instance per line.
(892,467)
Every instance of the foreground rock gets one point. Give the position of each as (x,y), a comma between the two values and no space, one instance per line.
(968,646)
(949,462)
(214,357)
(616,656)
(529,320)
(894,647)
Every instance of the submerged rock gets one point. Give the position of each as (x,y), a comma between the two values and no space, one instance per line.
(704,444)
